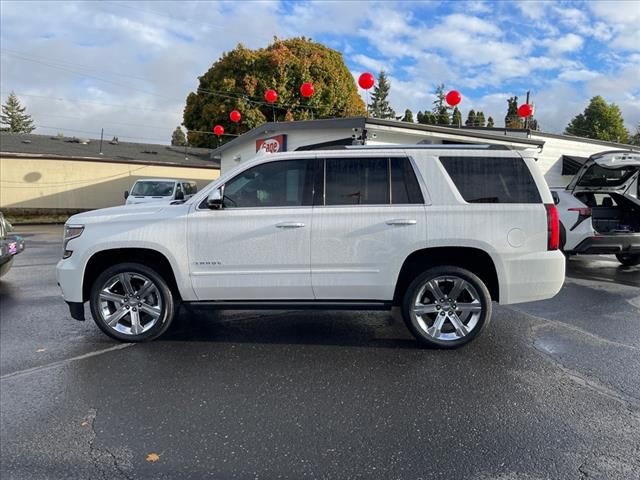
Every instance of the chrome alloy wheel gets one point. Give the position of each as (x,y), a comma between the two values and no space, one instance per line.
(130,303)
(446,308)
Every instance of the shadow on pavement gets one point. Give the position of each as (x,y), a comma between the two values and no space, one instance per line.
(603,269)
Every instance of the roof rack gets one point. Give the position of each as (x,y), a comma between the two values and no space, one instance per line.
(430,146)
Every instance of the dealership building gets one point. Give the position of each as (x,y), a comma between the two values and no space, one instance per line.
(559,156)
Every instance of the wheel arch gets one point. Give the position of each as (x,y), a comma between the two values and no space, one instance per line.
(473,259)
(102,259)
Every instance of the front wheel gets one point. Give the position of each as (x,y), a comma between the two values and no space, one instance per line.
(446,307)
(132,303)
(628,259)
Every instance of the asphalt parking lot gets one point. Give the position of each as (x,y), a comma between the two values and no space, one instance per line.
(551,390)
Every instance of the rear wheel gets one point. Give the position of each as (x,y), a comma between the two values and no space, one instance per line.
(132,303)
(446,307)
(628,259)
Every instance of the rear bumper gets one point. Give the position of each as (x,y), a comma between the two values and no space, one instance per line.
(609,244)
(536,276)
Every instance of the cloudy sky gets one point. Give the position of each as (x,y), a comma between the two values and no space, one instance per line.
(128,66)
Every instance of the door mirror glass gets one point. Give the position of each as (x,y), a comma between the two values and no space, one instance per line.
(556,197)
(126,194)
(179,195)
(214,200)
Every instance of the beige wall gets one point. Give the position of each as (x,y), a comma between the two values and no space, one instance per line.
(45,183)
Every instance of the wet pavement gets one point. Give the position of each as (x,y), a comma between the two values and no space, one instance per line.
(550,390)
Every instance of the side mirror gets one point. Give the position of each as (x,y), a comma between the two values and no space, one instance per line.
(556,197)
(126,194)
(180,195)
(214,200)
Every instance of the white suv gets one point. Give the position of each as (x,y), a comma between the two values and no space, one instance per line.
(439,232)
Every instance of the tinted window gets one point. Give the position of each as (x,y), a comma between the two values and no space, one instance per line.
(285,183)
(492,180)
(357,181)
(153,189)
(404,184)
(597,176)
(189,188)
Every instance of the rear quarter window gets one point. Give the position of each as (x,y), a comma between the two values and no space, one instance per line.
(492,179)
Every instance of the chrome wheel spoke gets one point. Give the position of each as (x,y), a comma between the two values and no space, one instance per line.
(111,297)
(146,289)
(423,309)
(153,311)
(458,286)
(136,326)
(461,328)
(113,319)
(436,328)
(125,280)
(434,289)
(469,307)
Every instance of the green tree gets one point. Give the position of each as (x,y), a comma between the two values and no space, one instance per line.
(408,116)
(14,118)
(178,138)
(600,120)
(511,119)
(429,118)
(380,106)
(635,139)
(456,117)
(440,101)
(419,117)
(490,122)
(471,118)
(240,77)
(480,121)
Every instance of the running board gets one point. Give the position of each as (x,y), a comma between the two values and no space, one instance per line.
(292,305)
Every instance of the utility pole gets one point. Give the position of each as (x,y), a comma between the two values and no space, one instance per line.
(101,137)
(526,119)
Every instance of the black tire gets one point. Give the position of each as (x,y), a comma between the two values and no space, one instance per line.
(628,259)
(476,294)
(162,295)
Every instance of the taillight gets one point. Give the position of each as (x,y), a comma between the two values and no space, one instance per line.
(583,212)
(553,227)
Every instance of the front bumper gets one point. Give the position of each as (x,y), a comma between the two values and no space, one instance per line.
(609,244)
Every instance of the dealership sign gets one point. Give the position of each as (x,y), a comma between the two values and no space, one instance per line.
(272,144)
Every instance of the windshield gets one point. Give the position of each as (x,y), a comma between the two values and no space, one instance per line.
(153,189)
(598,176)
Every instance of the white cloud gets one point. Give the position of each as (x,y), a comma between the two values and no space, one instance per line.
(578,75)
(376,66)
(564,44)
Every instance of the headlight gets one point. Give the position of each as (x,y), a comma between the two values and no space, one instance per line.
(70,232)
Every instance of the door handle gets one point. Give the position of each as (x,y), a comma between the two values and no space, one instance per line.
(401,221)
(290,225)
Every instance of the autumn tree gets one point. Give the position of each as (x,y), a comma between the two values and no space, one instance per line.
(240,77)
(408,116)
(178,138)
(14,116)
(380,106)
(601,121)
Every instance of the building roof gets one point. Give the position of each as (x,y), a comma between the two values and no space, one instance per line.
(360,122)
(46,146)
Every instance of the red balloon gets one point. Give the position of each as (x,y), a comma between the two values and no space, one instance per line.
(218,130)
(453,98)
(525,110)
(306,90)
(271,96)
(366,80)
(235,116)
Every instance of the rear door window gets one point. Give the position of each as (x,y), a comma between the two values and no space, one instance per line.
(404,184)
(492,180)
(357,181)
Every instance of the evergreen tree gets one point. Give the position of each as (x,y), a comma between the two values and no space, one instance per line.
(440,102)
(456,117)
(480,119)
(471,118)
(430,118)
(14,117)
(419,117)
(490,122)
(512,120)
(178,138)
(408,116)
(601,121)
(379,106)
